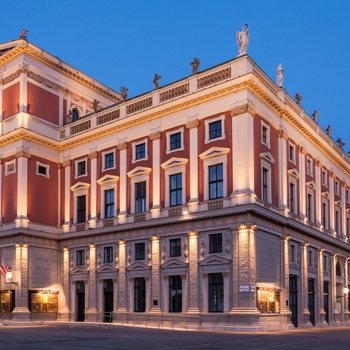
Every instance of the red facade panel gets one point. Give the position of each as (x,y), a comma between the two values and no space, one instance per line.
(10,101)
(43,104)
(9,195)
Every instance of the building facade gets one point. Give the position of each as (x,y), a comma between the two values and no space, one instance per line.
(215,201)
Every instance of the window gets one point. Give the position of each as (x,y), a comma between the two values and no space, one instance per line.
(139,295)
(348,196)
(175,189)
(292,153)
(140,151)
(109,160)
(309,166)
(216,180)
(139,251)
(80,257)
(324,178)
(325,263)
(292,208)
(292,253)
(311,258)
(268,300)
(337,187)
(140,197)
(175,141)
(109,203)
(75,114)
(215,130)
(42,169)
(265,187)
(175,247)
(175,294)
(81,209)
(310,207)
(337,222)
(325,215)
(216,292)
(43,301)
(215,243)
(348,228)
(107,255)
(81,168)
(265,134)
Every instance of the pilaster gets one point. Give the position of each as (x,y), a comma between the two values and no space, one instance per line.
(67,198)
(93,189)
(122,280)
(122,147)
(193,307)
(155,288)
(155,138)
(91,312)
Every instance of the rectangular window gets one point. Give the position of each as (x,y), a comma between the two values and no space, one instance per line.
(42,170)
(175,189)
(175,247)
(348,228)
(80,257)
(292,153)
(81,209)
(292,253)
(215,243)
(310,207)
(139,295)
(309,166)
(109,160)
(175,141)
(42,301)
(264,134)
(215,130)
(175,294)
(216,181)
(265,188)
(109,203)
(337,187)
(140,197)
(81,168)
(325,215)
(140,151)
(216,292)
(324,178)
(311,258)
(139,251)
(337,222)
(107,255)
(325,262)
(348,196)
(292,197)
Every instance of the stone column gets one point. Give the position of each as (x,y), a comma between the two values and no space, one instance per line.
(244,309)
(343,209)
(123,183)
(331,203)
(67,197)
(122,280)
(184,294)
(226,276)
(93,189)
(284,280)
(193,274)
(302,182)
(23,87)
(318,195)
(22,156)
(91,313)
(155,138)
(64,300)
(243,155)
(320,290)
(336,315)
(282,171)
(155,288)
(192,126)
(304,286)
(20,276)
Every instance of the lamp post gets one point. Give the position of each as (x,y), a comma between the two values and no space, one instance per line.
(345,294)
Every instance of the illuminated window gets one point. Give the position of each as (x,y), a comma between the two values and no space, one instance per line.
(43,302)
(175,294)
(268,300)
(175,189)
(216,181)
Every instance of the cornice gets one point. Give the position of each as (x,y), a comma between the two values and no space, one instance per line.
(58,67)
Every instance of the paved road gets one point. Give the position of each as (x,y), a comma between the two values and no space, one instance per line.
(78,337)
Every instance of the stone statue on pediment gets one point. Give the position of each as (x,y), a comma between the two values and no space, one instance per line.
(341,144)
(298,99)
(315,116)
(23,34)
(124,92)
(69,117)
(279,75)
(155,81)
(195,63)
(329,130)
(95,105)
(243,38)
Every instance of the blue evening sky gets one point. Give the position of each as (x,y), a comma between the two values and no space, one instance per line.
(126,42)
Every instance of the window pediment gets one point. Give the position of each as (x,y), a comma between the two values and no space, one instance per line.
(172,162)
(79,186)
(214,260)
(338,204)
(107,179)
(139,171)
(78,270)
(138,266)
(214,152)
(268,157)
(294,173)
(311,184)
(173,263)
(325,194)
(106,269)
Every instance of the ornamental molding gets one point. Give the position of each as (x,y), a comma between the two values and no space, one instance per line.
(93,155)
(122,146)
(66,163)
(192,124)
(155,136)
(22,154)
(245,108)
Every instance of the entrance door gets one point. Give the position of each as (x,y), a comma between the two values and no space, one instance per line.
(80,311)
(293,299)
(108,300)
(326,300)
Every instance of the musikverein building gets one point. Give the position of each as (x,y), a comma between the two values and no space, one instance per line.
(214,202)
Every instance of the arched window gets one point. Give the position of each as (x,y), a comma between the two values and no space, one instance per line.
(75,114)
(338,270)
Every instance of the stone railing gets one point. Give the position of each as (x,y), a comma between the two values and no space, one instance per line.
(214,78)
(174,92)
(139,105)
(77,128)
(108,117)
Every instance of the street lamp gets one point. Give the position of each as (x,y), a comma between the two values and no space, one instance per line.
(8,277)
(345,294)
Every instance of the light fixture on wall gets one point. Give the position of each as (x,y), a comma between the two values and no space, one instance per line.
(8,277)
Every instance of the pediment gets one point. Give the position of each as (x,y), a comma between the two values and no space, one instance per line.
(174,161)
(173,263)
(79,186)
(311,184)
(138,266)
(78,270)
(268,157)
(107,179)
(338,204)
(106,268)
(140,170)
(214,260)
(294,173)
(326,195)
(214,152)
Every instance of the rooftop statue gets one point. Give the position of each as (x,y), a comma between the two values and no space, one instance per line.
(329,130)
(23,34)
(341,143)
(155,81)
(95,105)
(195,63)
(279,75)
(124,92)
(315,116)
(243,39)
(298,99)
